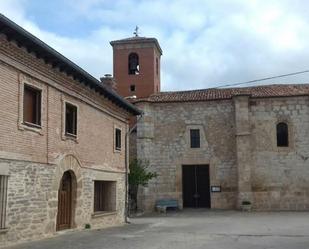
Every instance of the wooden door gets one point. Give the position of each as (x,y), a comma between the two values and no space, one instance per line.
(203,186)
(196,189)
(188,186)
(64,216)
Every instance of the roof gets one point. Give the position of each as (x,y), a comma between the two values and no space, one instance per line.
(49,55)
(137,39)
(266,91)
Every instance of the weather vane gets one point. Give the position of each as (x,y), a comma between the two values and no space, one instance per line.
(136,31)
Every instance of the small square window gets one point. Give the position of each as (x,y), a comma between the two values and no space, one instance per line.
(195,138)
(118,139)
(104,196)
(132,88)
(32,106)
(70,120)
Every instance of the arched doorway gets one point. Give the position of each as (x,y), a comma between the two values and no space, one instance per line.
(66,194)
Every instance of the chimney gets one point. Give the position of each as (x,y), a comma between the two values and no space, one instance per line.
(109,81)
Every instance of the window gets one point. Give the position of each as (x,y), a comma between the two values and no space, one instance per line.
(195,138)
(118,139)
(133,64)
(282,135)
(32,106)
(157,66)
(70,120)
(104,196)
(132,88)
(3,200)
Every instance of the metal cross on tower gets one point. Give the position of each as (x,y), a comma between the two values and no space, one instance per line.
(136,31)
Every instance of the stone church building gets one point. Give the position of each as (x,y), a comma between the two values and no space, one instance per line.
(216,148)
(62,142)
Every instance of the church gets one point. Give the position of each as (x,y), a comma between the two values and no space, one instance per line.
(215,148)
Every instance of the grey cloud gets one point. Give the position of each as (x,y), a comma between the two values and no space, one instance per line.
(205,43)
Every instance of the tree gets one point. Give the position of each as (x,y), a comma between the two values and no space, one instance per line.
(139,175)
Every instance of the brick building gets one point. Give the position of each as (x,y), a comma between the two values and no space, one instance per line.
(62,142)
(136,66)
(217,148)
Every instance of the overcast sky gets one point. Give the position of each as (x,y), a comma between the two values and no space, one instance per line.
(205,43)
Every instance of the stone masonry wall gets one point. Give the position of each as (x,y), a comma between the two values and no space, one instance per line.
(238,141)
(33,199)
(280,176)
(163,139)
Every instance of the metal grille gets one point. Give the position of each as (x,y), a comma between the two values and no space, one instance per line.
(3,200)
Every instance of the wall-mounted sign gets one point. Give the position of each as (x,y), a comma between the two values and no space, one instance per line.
(215,188)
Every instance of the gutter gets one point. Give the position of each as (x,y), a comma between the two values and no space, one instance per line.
(126,208)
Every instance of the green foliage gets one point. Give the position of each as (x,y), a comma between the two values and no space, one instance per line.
(87,226)
(139,174)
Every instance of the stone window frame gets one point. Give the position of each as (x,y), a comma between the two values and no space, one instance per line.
(290,135)
(112,198)
(114,139)
(105,178)
(203,138)
(65,136)
(195,141)
(4,182)
(24,80)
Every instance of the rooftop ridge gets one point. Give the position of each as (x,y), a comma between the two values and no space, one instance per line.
(228,88)
(262,91)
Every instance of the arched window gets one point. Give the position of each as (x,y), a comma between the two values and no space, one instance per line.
(282,135)
(133,64)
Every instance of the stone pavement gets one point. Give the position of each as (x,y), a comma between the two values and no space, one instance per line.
(193,229)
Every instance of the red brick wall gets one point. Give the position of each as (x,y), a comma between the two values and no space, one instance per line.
(97,117)
(147,81)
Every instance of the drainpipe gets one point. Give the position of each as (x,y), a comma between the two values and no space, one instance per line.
(126,209)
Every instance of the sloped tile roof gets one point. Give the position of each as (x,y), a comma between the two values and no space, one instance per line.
(265,91)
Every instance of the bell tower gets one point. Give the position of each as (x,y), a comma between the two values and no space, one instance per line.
(136,66)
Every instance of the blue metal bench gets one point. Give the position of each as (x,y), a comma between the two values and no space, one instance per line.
(163,204)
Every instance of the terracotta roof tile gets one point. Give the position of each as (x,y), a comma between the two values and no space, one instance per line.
(265,91)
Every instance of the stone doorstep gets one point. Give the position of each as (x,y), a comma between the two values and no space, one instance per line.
(100,214)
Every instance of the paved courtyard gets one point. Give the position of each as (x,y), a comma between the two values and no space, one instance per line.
(193,229)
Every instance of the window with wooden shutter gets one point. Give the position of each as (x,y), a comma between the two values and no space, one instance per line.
(3,200)
(70,120)
(32,106)
(195,138)
(104,196)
